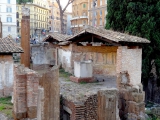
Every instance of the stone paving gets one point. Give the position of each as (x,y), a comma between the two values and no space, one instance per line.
(3,117)
(79,92)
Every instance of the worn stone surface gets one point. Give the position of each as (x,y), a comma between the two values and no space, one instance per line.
(103,58)
(108,104)
(80,100)
(40,103)
(50,83)
(3,117)
(6,75)
(82,111)
(79,93)
(43,55)
(129,60)
(80,80)
(25,93)
(131,99)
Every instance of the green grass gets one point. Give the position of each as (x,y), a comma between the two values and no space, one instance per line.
(83,83)
(6,106)
(64,74)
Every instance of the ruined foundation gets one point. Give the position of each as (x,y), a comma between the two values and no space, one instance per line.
(131,100)
(25,93)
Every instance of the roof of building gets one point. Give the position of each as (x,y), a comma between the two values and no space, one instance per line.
(56,36)
(107,35)
(7,45)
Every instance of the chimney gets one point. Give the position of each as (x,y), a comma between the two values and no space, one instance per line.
(0,28)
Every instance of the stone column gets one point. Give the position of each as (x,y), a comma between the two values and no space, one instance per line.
(49,108)
(0,28)
(25,37)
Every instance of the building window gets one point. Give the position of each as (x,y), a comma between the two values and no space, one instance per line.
(91,4)
(9,29)
(84,5)
(9,19)
(17,15)
(8,1)
(95,22)
(95,14)
(100,12)
(100,21)
(84,22)
(9,9)
(100,2)
(17,23)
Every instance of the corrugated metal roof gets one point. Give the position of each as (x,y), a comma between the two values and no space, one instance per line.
(7,45)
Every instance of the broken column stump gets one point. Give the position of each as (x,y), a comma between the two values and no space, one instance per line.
(49,96)
(25,37)
(25,92)
(108,105)
(131,98)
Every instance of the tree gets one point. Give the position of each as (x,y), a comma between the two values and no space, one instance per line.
(62,10)
(140,18)
(23,1)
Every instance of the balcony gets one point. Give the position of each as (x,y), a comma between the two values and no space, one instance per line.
(79,17)
(80,25)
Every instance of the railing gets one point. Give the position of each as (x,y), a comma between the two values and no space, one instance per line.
(79,17)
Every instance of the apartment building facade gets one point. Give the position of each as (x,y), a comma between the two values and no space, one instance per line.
(79,15)
(97,11)
(54,18)
(39,18)
(8,18)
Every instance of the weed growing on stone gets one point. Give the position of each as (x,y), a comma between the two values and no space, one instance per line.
(83,82)
(2,107)
(6,106)
(64,74)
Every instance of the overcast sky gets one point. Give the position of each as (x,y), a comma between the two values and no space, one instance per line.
(64,2)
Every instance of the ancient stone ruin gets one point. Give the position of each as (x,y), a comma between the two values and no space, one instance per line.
(34,95)
(105,83)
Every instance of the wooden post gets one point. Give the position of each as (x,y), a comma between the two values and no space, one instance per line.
(0,28)
(25,37)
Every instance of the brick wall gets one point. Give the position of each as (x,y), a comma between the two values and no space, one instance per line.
(130,60)
(101,106)
(43,55)
(91,106)
(50,102)
(6,75)
(25,93)
(103,57)
(82,111)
